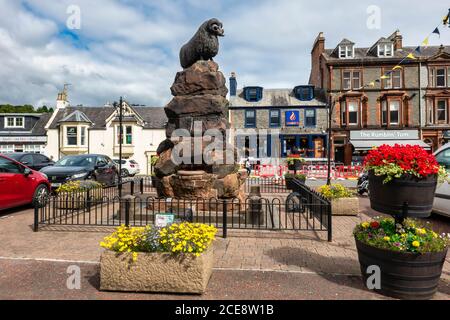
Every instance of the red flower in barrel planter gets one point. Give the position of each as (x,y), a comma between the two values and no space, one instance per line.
(402,179)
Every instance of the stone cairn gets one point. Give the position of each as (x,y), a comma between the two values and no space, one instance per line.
(199,98)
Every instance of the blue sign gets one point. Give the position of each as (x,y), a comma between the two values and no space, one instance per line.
(292,118)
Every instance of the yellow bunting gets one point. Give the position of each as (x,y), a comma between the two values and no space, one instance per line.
(372,84)
(396,67)
(425,42)
(384,77)
(411,56)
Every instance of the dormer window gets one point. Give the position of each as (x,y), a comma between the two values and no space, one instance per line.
(346,51)
(385,50)
(253,94)
(304,93)
(14,122)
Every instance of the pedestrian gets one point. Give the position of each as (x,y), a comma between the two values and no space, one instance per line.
(248,166)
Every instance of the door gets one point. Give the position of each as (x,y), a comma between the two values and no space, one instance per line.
(318,147)
(14,187)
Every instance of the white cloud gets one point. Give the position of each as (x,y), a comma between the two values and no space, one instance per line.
(130,48)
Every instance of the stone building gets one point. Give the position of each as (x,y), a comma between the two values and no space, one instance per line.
(82,130)
(368,109)
(285,120)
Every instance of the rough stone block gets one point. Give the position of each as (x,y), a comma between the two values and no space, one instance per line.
(345,206)
(156,272)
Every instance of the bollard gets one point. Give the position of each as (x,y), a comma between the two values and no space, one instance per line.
(36,218)
(224,219)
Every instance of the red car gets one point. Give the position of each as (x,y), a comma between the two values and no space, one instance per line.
(19,185)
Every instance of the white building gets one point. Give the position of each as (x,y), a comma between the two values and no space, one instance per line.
(83,130)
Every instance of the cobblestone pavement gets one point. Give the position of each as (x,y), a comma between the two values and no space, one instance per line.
(304,255)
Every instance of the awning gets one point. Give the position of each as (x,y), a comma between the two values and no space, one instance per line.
(369,144)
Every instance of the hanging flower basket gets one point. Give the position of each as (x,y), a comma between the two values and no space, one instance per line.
(402,179)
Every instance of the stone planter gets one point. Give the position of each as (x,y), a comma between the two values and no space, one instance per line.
(156,272)
(345,206)
(78,200)
(404,275)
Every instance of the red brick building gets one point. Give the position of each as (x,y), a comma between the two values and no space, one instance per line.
(411,105)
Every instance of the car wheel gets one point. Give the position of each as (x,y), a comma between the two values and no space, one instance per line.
(40,196)
(125,173)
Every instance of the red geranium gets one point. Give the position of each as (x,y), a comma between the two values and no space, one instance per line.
(410,159)
(374,224)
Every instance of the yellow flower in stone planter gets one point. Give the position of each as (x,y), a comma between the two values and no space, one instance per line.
(416,244)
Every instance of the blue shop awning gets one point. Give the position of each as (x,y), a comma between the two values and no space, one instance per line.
(361,145)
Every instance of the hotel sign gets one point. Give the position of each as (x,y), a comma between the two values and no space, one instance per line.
(24,139)
(384,135)
(292,118)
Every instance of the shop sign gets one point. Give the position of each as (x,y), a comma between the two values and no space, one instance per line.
(384,135)
(292,118)
(23,139)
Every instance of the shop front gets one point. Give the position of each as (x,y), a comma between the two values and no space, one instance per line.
(306,145)
(364,140)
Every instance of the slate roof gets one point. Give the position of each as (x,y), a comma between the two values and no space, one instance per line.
(154,117)
(278,98)
(37,130)
(76,116)
(39,127)
(364,54)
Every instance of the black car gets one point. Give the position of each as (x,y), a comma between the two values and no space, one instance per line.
(34,161)
(82,167)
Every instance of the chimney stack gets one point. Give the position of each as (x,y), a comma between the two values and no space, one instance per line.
(61,100)
(233,84)
(398,40)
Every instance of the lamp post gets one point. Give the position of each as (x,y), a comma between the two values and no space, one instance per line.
(330,112)
(120,144)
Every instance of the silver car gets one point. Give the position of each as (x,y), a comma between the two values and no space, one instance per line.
(441,203)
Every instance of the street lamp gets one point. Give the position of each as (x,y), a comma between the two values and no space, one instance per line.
(119,105)
(331,105)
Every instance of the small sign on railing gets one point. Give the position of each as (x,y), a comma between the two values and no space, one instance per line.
(163,220)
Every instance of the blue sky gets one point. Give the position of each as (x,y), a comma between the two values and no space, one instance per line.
(130,47)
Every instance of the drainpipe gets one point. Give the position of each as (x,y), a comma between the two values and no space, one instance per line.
(420,100)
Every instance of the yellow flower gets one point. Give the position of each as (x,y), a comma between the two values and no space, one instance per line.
(416,243)
(421,231)
(365,225)
(387,238)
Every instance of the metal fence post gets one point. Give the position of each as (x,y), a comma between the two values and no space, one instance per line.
(36,218)
(330,223)
(132,187)
(127,211)
(224,219)
(141,185)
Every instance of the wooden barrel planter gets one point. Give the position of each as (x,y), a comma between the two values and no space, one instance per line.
(390,197)
(404,275)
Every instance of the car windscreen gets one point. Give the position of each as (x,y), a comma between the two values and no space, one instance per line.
(76,161)
(15,156)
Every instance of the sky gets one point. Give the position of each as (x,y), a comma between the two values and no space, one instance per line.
(130,48)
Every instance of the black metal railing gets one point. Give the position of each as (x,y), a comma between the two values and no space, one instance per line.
(303,210)
(267,185)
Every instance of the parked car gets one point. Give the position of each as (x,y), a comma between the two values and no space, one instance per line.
(20,185)
(442,197)
(82,167)
(129,167)
(33,161)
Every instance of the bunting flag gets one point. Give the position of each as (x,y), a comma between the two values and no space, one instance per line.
(436,31)
(396,67)
(372,84)
(418,49)
(378,80)
(425,42)
(384,77)
(411,56)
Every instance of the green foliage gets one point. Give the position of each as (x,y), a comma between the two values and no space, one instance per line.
(154,160)
(412,236)
(78,186)
(291,160)
(299,176)
(8,108)
(335,191)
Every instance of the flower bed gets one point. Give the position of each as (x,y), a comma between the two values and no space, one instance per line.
(177,258)
(74,195)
